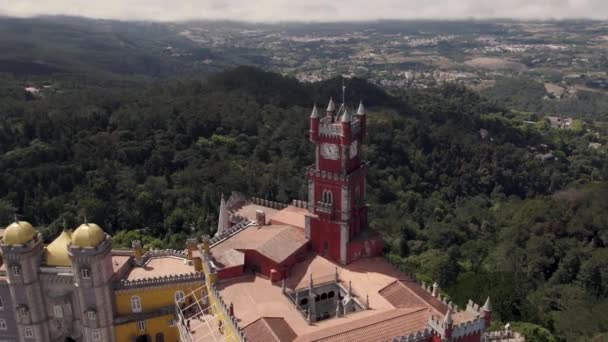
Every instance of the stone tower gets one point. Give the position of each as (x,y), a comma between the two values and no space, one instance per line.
(336,182)
(22,248)
(92,267)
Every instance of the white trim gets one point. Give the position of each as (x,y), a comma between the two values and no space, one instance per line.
(28,332)
(95,335)
(141,325)
(135,304)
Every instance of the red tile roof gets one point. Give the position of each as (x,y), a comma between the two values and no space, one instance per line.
(381,327)
(276,242)
(269,329)
(408,293)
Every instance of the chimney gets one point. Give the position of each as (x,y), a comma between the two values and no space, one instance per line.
(191,247)
(260,217)
(138,252)
(206,244)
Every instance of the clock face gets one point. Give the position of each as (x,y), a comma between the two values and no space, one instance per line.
(329,151)
(354,149)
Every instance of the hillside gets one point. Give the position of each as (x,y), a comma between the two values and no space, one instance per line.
(479,213)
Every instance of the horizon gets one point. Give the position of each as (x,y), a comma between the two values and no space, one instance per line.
(314,11)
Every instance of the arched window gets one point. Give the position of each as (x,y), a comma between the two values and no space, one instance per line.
(327,197)
(324,296)
(331,294)
(304,301)
(179,296)
(135,304)
(86,273)
(16,269)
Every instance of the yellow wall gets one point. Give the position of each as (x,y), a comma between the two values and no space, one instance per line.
(152,298)
(127,332)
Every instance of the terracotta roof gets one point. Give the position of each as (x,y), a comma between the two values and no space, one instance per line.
(269,329)
(230,258)
(407,293)
(159,267)
(291,215)
(249,211)
(276,242)
(118,261)
(381,327)
(255,297)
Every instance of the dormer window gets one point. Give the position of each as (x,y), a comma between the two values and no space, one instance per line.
(86,273)
(16,270)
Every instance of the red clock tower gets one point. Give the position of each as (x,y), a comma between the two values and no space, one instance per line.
(336,184)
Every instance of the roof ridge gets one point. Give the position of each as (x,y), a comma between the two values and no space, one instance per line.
(419,297)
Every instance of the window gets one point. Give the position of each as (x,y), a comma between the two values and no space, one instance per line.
(92,315)
(171,322)
(29,333)
(141,325)
(327,197)
(68,309)
(58,311)
(16,269)
(135,304)
(23,311)
(2,324)
(1,304)
(96,336)
(179,296)
(331,294)
(304,301)
(86,273)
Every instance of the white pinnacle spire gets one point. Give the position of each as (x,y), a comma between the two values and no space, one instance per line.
(223,218)
(331,106)
(487,306)
(361,110)
(346,116)
(315,112)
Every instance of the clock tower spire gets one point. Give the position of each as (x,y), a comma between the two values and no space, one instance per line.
(336,183)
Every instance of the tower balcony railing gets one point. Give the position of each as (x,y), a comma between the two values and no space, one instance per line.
(325,207)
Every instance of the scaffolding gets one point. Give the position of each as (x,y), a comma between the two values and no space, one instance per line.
(198,319)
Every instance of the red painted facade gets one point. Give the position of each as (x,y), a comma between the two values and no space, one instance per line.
(337,187)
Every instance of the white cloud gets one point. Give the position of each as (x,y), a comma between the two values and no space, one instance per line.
(308,10)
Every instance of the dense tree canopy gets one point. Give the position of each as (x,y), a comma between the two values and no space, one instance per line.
(455,185)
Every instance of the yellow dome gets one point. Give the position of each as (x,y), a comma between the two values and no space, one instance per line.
(88,235)
(57,251)
(19,233)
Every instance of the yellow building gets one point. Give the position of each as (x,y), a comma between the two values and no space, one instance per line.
(77,288)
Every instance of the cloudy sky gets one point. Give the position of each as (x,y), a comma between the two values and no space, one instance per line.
(309,10)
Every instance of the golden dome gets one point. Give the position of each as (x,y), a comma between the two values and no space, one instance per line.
(88,235)
(57,251)
(19,233)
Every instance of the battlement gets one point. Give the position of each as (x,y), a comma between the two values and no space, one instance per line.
(230,231)
(159,281)
(476,325)
(414,337)
(230,318)
(268,204)
(312,171)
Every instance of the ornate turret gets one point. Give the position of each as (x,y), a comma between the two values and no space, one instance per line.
(22,251)
(346,117)
(91,258)
(361,109)
(223,221)
(362,119)
(331,107)
(448,325)
(57,251)
(19,233)
(88,235)
(487,311)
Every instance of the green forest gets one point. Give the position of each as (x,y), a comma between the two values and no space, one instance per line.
(479,213)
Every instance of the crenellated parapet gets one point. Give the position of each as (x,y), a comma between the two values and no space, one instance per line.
(418,336)
(299,204)
(228,313)
(159,281)
(267,203)
(475,326)
(230,231)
